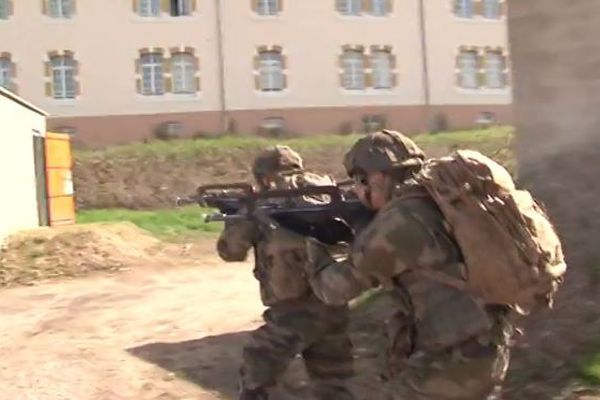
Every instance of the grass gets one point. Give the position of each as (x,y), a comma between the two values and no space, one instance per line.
(168,224)
(589,369)
(189,148)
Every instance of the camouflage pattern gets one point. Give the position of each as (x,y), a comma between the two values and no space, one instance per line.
(296,322)
(276,159)
(444,344)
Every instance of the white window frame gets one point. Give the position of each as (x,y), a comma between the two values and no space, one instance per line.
(60,8)
(270,71)
(492,9)
(468,70)
(350,7)
(5,72)
(379,8)
(382,69)
(64,86)
(494,70)
(465,8)
(181,8)
(4,9)
(353,67)
(149,8)
(267,7)
(183,73)
(151,67)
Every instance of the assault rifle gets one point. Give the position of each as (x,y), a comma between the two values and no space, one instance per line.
(337,219)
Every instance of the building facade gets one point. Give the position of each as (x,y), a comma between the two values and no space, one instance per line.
(122,70)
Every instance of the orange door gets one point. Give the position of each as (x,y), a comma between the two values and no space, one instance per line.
(61,201)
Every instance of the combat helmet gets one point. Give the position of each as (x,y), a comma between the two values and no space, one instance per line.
(385,150)
(278,158)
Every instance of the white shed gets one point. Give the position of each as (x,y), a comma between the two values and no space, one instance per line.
(22,168)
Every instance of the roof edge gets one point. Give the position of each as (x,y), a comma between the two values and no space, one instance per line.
(7,93)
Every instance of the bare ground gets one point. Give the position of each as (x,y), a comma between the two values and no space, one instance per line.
(172,326)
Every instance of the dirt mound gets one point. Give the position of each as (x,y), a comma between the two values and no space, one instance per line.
(73,251)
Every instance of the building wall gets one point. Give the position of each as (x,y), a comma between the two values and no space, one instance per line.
(18,203)
(106,37)
(557,97)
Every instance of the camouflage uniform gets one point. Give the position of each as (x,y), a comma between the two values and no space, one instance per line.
(296,322)
(443,343)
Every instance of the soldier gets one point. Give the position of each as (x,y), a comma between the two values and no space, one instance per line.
(443,344)
(296,322)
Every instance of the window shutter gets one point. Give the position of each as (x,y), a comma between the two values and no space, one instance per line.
(366,61)
(165,6)
(280,6)
(10,8)
(389,6)
(393,62)
(481,70)
(138,85)
(198,84)
(13,70)
(340,6)
(193,6)
(73,4)
(76,68)
(285,81)
(48,89)
(394,79)
(168,83)
(135,4)
(503,8)
(45,7)
(256,62)
(254,6)
(505,72)
(77,88)
(257,81)
(478,7)
(284,61)
(368,80)
(458,71)
(138,67)
(367,6)
(47,69)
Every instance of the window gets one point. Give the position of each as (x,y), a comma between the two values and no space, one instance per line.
(63,77)
(183,70)
(152,74)
(5,9)
(491,9)
(349,7)
(380,8)
(467,69)
(149,8)
(382,67)
(181,7)
(60,8)
(6,72)
(270,71)
(267,7)
(353,67)
(494,70)
(463,8)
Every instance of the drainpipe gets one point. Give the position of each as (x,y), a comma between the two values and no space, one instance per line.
(221,66)
(425,64)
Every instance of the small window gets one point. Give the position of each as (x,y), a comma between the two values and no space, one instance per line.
(181,7)
(6,72)
(373,123)
(380,8)
(494,70)
(382,66)
(349,7)
(270,71)
(468,72)
(353,67)
(463,8)
(491,9)
(151,65)
(267,7)
(183,70)
(60,8)
(5,9)
(63,77)
(149,8)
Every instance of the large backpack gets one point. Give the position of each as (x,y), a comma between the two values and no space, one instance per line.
(511,250)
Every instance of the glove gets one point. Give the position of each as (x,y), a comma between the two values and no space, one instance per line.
(318,256)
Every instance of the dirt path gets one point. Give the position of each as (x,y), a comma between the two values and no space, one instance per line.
(104,337)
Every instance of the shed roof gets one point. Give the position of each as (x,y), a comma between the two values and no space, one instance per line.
(7,93)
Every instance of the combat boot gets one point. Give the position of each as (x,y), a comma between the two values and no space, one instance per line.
(255,394)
